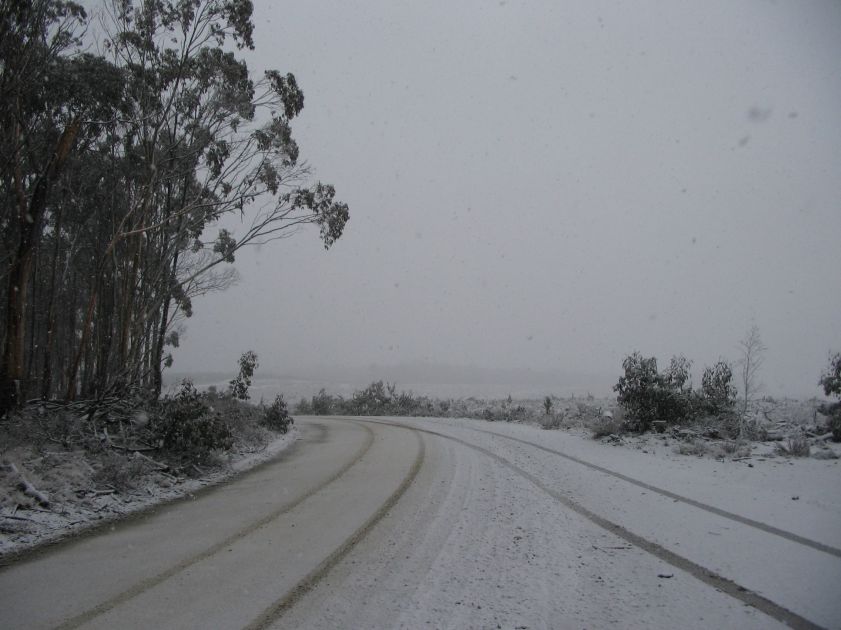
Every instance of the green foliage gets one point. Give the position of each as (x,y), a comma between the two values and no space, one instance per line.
(323,404)
(648,396)
(162,133)
(547,405)
(834,423)
(238,387)
(717,389)
(276,416)
(831,378)
(831,382)
(374,400)
(186,424)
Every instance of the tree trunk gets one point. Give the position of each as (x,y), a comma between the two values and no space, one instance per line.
(29,220)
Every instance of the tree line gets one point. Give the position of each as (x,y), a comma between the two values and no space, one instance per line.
(128,131)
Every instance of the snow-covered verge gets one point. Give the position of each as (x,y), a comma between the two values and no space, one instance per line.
(482,542)
(49,492)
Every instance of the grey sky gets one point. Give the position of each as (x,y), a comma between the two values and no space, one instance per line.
(552,185)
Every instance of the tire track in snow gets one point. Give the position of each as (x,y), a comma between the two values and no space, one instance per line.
(770,529)
(148,583)
(284,603)
(719,582)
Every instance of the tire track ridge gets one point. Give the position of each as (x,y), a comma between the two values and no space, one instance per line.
(711,578)
(150,582)
(744,520)
(276,610)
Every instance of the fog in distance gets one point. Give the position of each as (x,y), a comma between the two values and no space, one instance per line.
(548,187)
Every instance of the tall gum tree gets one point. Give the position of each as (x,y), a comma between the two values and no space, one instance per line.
(48,91)
(179,138)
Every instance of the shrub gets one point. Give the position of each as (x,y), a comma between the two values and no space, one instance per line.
(692,448)
(185,424)
(831,383)
(648,396)
(322,403)
(794,447)
(834,423)
(119,471)
(552,421)
(831,378)
(374,400)
(238,387)
(607,426)
(303,407)
(277,416)
(717,389)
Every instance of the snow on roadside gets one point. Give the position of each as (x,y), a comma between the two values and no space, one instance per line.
(73,511)
(800,495)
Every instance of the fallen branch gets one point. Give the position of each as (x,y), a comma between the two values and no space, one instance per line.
(160,466)
(28,489)
(17,518)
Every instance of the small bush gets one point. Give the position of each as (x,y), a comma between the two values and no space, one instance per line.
(552,421)
(322,403)
(834,423)
(238,387)
(694,447)
(717,388)
(185,424)
(276,416)
(831,383)
(119,471)
(831,378)
(794,447)
(607,426)
(648,396)
(730,448)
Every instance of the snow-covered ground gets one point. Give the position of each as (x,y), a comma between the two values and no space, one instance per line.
(454,523)
(74,509)
(473,545)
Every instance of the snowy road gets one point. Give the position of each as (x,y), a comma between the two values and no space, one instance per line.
(389,523)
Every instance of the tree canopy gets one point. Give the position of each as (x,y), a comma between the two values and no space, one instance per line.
(117,169)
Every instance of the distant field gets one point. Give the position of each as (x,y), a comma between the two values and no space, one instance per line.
(293,389)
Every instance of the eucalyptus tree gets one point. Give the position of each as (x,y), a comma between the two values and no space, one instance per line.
(154,141)
(206,141)
(49,91)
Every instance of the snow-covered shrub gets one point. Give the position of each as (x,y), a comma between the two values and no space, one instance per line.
(694,447)
(374,400)
(648,396)
(119,471)
(717,389)
(187,425)
(322,404)
(552,421)
(831,378)
(607,425)
(831,383)
(794,447)
(276,417)
(238,387)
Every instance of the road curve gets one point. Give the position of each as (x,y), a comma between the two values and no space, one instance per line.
(407,523)
(230,555)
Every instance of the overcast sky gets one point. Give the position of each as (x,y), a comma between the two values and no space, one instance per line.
(552,185)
